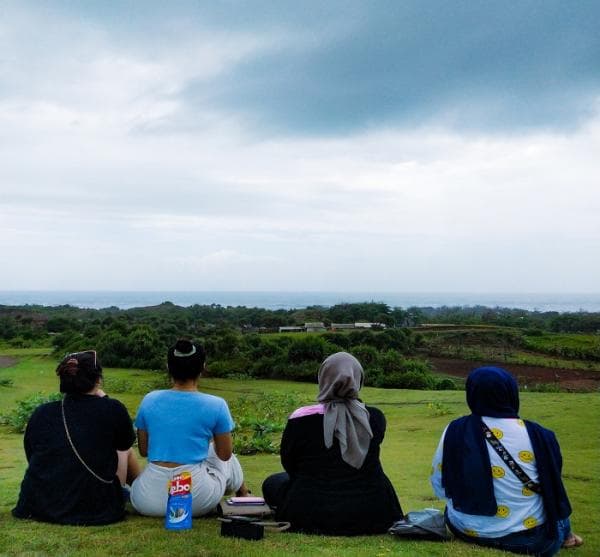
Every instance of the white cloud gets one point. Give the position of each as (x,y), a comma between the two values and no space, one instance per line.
(97,161)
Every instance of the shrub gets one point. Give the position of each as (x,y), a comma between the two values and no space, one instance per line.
(366,355)
(6,382)
(391,361)
(306,372)
(544,388)
(417,380)
(338,339)
(405,380)
(272,367)
(260,419)
(17,418)
(416,366)
(308,348)
(224,368)
(445,384)
(357,337)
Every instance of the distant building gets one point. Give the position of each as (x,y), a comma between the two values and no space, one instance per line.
(369,326)
(292,329)
(316,327)
(342,326)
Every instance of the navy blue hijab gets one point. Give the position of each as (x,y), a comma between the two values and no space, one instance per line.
(466,467)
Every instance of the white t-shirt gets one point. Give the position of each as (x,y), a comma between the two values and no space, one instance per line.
(518,507)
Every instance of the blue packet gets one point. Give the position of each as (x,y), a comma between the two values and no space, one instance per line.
(179,503)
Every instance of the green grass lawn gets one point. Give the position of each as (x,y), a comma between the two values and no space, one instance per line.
(415,422)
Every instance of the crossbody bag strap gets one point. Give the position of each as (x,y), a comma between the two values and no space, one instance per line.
(62,409)
(509,460)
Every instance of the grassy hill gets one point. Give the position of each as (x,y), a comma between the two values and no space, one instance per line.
(415,422)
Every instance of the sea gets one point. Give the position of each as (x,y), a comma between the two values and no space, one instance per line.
(272,300)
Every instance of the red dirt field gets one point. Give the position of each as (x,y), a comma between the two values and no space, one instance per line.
(568,379)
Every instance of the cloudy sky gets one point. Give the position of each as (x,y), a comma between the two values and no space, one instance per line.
(391,146)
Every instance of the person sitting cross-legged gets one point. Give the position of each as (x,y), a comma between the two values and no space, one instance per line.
(333,482)
(78,451)
(181,429)
(501,475)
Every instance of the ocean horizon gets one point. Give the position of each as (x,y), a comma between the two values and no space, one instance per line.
(98,299)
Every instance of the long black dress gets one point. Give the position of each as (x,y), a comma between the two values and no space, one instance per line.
(325,495)
(57,487)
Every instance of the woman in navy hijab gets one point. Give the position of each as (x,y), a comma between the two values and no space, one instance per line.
(510,497)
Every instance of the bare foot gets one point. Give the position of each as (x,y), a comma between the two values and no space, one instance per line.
(573,540)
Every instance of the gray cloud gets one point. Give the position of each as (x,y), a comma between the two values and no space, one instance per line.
(473,64)
(279,145)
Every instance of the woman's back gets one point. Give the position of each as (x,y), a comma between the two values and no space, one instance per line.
(519,508)
(327,495)
(56,486)
(181,424)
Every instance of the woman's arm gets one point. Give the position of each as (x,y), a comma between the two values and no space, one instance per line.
(286,451)
(142,436)
(436,469)
(223,446)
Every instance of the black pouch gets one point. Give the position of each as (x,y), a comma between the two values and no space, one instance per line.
(240,528)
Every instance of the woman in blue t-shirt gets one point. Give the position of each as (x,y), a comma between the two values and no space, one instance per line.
(184,430)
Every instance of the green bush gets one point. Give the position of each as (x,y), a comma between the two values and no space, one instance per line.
(6,382)
(544,388)
(260,419)
(405,380)
(306,372)
(416,366)
(17,418)
(341,340)
(224,368)
(392,362)
(366,355)
(445,384)
(308,348)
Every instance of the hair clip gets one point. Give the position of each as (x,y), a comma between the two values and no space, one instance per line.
(183,354)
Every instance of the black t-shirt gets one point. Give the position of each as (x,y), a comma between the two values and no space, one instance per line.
(328,496)
(57,487)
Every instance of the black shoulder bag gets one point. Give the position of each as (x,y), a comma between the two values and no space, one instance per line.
(509,460)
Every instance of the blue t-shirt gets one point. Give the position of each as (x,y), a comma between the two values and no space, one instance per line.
(181,424)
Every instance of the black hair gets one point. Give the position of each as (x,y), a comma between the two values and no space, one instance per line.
(185,360)
(79,372)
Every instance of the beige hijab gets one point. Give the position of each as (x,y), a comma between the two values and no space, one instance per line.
(346,418)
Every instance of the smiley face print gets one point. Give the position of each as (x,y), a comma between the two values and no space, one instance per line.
(497,432)
(498,472)
(503,511)
(530,522)
(526,456)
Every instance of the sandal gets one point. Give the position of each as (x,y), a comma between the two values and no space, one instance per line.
(572,541)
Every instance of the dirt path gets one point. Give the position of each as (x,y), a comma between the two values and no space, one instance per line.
(569,379)
(7,361)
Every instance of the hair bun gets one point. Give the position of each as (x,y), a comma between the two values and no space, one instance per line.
(70,367)
(184,347)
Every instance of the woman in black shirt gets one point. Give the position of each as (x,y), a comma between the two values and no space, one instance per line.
(74,472)
(333,481)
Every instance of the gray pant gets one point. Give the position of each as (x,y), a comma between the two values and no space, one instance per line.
(211,479)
